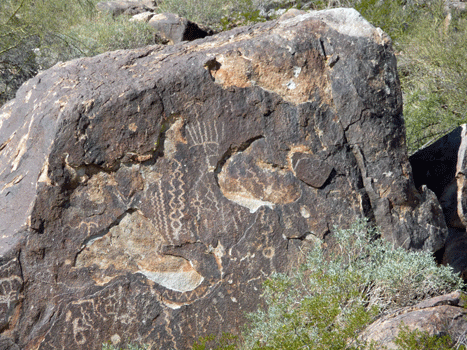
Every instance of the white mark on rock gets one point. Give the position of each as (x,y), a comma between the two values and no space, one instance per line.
(304,212)
(115,339)
(291,85)
(297,71)
(248,202)
(184,280)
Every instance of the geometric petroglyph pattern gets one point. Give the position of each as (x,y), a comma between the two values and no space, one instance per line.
(169,195)
(168,201)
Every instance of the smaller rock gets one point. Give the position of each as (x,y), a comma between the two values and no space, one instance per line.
(175,29)
(115,339)
(458,6)
(437,316)
(142,17)
(291,13)
(117,8)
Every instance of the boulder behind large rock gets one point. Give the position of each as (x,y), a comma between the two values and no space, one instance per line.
(146,194)
(442,167)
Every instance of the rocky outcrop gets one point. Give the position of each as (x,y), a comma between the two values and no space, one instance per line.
(146,194)
(442,167)
(439,316)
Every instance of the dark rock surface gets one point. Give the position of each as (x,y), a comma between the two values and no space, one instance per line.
(146,194)
(442,167)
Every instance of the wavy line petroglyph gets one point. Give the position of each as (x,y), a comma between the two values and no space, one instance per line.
(168,199)
(161,216)
(177,200)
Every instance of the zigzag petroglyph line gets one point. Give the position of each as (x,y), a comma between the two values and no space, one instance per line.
(161,216)
(176,201)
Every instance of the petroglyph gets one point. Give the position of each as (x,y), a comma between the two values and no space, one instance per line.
(11,285)
(112,309)
(134,242)
(168,202)
(207,202)
(88,227)
(176,200)
(207,136)
(251,183)
(173,273)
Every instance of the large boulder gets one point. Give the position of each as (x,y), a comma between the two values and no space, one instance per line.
(146,194)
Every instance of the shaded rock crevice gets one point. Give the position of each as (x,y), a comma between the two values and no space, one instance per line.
(441,168)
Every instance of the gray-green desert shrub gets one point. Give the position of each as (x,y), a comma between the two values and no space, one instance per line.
(330,300)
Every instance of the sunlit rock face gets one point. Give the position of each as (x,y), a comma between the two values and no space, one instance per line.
(146,194)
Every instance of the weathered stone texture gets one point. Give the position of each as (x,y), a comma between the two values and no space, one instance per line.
(146,194)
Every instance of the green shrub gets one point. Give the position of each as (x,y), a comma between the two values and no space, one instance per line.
(226,342)
(329,301)
(422,340)
(434,77)
(106,33)
(35,35)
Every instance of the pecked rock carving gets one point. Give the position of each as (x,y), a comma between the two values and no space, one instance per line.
(146,194)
